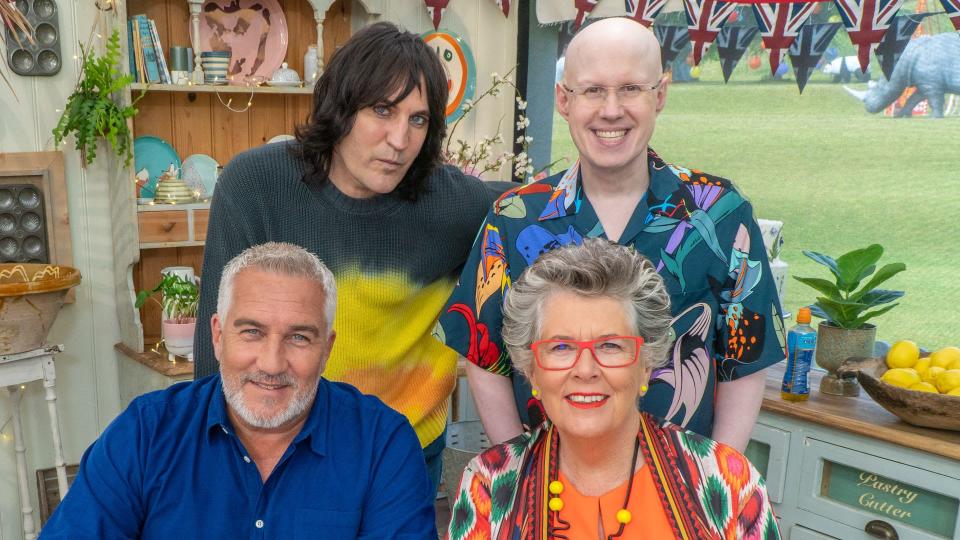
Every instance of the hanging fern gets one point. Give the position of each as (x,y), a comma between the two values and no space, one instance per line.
(92,113)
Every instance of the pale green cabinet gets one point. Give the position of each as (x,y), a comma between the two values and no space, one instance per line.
(831,483)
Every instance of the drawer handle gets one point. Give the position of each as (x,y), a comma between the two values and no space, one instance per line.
(881,529)
(167,227)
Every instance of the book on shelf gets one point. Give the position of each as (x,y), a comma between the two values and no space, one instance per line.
(147,63)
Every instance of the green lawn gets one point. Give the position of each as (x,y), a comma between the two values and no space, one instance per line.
(838,178)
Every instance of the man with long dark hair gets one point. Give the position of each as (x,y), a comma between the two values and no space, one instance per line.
(363,189)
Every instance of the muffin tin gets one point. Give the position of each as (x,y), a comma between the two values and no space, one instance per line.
(42,57)
(23,227)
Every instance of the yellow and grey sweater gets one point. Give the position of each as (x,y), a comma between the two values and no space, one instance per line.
(395,263)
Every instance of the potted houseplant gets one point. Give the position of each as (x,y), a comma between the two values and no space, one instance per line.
(846,304)
(93,111)
(179,307)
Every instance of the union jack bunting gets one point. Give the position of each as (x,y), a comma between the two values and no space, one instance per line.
(435,9)
(704,20)
(644,11)
(866,21)
(732,42)
(672,40)
(779,25)
(805,52)
(583,7)
(953,11)
(895,40)
(504,6)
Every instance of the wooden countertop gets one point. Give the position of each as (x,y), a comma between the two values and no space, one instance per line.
(859,415)
(157,361)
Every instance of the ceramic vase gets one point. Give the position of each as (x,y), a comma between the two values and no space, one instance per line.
(834,345)
(178,337)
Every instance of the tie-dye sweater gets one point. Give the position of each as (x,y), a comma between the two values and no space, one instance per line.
(395,264)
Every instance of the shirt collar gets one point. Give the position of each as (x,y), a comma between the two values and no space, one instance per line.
(566,197)
(315,428)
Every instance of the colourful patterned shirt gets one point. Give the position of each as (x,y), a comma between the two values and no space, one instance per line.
(701,235)
(708,489)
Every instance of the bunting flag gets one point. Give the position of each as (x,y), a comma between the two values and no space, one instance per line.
(866,21)
(953,11)
(644,11)
(504,6)
(583,7)
(779,25)
(896,39)
(435,9)
(704,20)
(732,42)
(672,40)
(807,49)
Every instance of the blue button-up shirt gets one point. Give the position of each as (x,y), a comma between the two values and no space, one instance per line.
(172,467)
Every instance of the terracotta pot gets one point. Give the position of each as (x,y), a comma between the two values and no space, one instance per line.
(834,346)
(30,297)
(178,337)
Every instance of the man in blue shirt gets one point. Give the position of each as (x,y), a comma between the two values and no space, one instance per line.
(266,448)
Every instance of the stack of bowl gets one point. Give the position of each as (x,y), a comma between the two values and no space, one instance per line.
(215,65)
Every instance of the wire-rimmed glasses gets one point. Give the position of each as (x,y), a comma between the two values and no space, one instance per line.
(625,93)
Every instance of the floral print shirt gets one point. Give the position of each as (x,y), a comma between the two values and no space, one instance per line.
(701,234)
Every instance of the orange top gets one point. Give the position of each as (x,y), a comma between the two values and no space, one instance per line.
(648,519)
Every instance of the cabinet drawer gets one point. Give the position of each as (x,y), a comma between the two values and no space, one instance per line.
(854,488)
(200,219)
(802,533)
(163,226)
(767,451)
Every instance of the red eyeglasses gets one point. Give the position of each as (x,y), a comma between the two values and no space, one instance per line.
(563,354)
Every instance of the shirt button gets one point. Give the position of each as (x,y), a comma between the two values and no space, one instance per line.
(224,430)
(259,523)
(246,458)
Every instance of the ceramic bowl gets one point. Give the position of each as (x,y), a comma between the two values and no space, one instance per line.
(30,298)
(924,409)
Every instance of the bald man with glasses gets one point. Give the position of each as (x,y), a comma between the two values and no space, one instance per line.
(698,230)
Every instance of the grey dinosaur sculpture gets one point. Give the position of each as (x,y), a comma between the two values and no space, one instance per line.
(931,64)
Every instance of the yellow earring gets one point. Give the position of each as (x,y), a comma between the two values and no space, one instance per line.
(643,389)
(535,392)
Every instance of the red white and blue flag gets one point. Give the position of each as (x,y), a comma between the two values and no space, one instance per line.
(583,8)
(953,11)
(435,9)
(705,18)
(866,21)
(779,25)
(644,11)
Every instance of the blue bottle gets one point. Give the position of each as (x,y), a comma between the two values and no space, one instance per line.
(801,342)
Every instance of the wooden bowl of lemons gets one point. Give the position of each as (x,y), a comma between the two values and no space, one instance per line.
(923,390)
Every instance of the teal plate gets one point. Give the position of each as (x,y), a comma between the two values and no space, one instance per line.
(156,155)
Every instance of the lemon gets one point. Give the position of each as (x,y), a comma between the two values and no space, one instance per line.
(944,357)
(903,354)
(922,366)
(930,375)
(902,377)
(948,380)
(954,392)
(925,387)
(955,364)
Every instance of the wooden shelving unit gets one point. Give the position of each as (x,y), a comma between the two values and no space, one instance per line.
(221,89)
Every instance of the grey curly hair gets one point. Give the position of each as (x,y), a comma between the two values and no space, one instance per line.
(596,267)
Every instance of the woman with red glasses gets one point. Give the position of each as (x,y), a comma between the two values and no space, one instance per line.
(587,325)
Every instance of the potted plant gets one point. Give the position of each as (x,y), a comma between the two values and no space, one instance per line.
(846,306)
(179,307)
(92,112)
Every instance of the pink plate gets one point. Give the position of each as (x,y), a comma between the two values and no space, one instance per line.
(254,31)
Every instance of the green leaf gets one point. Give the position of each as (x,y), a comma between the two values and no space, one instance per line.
(821,285)
(885,273)
(852,265)
(141,298)
(860,321)
(842,312)
(877,297)
(825,260)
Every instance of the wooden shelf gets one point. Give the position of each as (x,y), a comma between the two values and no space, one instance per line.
(160,207)
(222,89)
